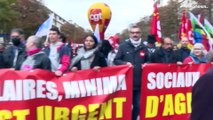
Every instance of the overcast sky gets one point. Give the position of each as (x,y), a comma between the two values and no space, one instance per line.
(124,12)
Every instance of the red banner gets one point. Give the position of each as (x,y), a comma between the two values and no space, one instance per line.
(166,90)
(83,95)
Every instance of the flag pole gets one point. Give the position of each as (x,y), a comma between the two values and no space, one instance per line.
(46,41)
(47,38)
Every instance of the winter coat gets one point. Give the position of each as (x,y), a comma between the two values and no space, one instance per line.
(192,58)
(38,60)
(202,97)
(9,56)
(162,56)
(136,56)
(2,65)
(64,57)
(182,53)
(99,60)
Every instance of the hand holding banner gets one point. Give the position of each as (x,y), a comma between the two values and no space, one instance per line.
(166,90)
(85,94)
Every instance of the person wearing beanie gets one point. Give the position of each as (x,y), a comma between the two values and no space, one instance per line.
(151,44)
(88,57)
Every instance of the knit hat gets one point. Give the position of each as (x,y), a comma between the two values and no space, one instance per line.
(151,39)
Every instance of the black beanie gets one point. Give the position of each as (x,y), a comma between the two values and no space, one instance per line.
(151,39)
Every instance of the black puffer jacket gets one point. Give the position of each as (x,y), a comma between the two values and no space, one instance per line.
(136,56)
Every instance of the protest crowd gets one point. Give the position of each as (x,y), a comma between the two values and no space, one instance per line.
(57,55)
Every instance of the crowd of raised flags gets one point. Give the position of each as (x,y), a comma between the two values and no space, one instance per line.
(190,26)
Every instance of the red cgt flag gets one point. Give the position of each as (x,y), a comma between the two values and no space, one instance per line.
(182,32)
(189,31)
(155,24)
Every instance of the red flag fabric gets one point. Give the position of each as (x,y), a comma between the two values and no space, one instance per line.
(182,32)
(189,31)
(155,28)
(185,29)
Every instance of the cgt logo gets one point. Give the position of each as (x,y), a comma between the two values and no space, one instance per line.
(95,16)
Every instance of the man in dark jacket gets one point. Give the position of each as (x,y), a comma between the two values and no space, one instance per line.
(183,52)
(133,52)
(202,97)
(14,55)
(165,53)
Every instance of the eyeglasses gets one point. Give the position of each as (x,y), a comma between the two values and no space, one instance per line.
(137,32)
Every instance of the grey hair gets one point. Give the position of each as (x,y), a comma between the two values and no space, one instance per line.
(36,41)
(133,26)
(204,52)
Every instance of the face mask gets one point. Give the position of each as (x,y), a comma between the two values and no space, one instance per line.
(16,41)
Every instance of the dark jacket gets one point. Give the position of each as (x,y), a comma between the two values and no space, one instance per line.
(182,53)
(99,60)
(1,60)
(137,56)
(40,61)
(162,56)
(105,48)
(202,97)
(9,55)
(64,57)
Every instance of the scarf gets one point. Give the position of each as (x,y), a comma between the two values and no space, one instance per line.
(83,56)
(135,43)
(197,60)
(34,51)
